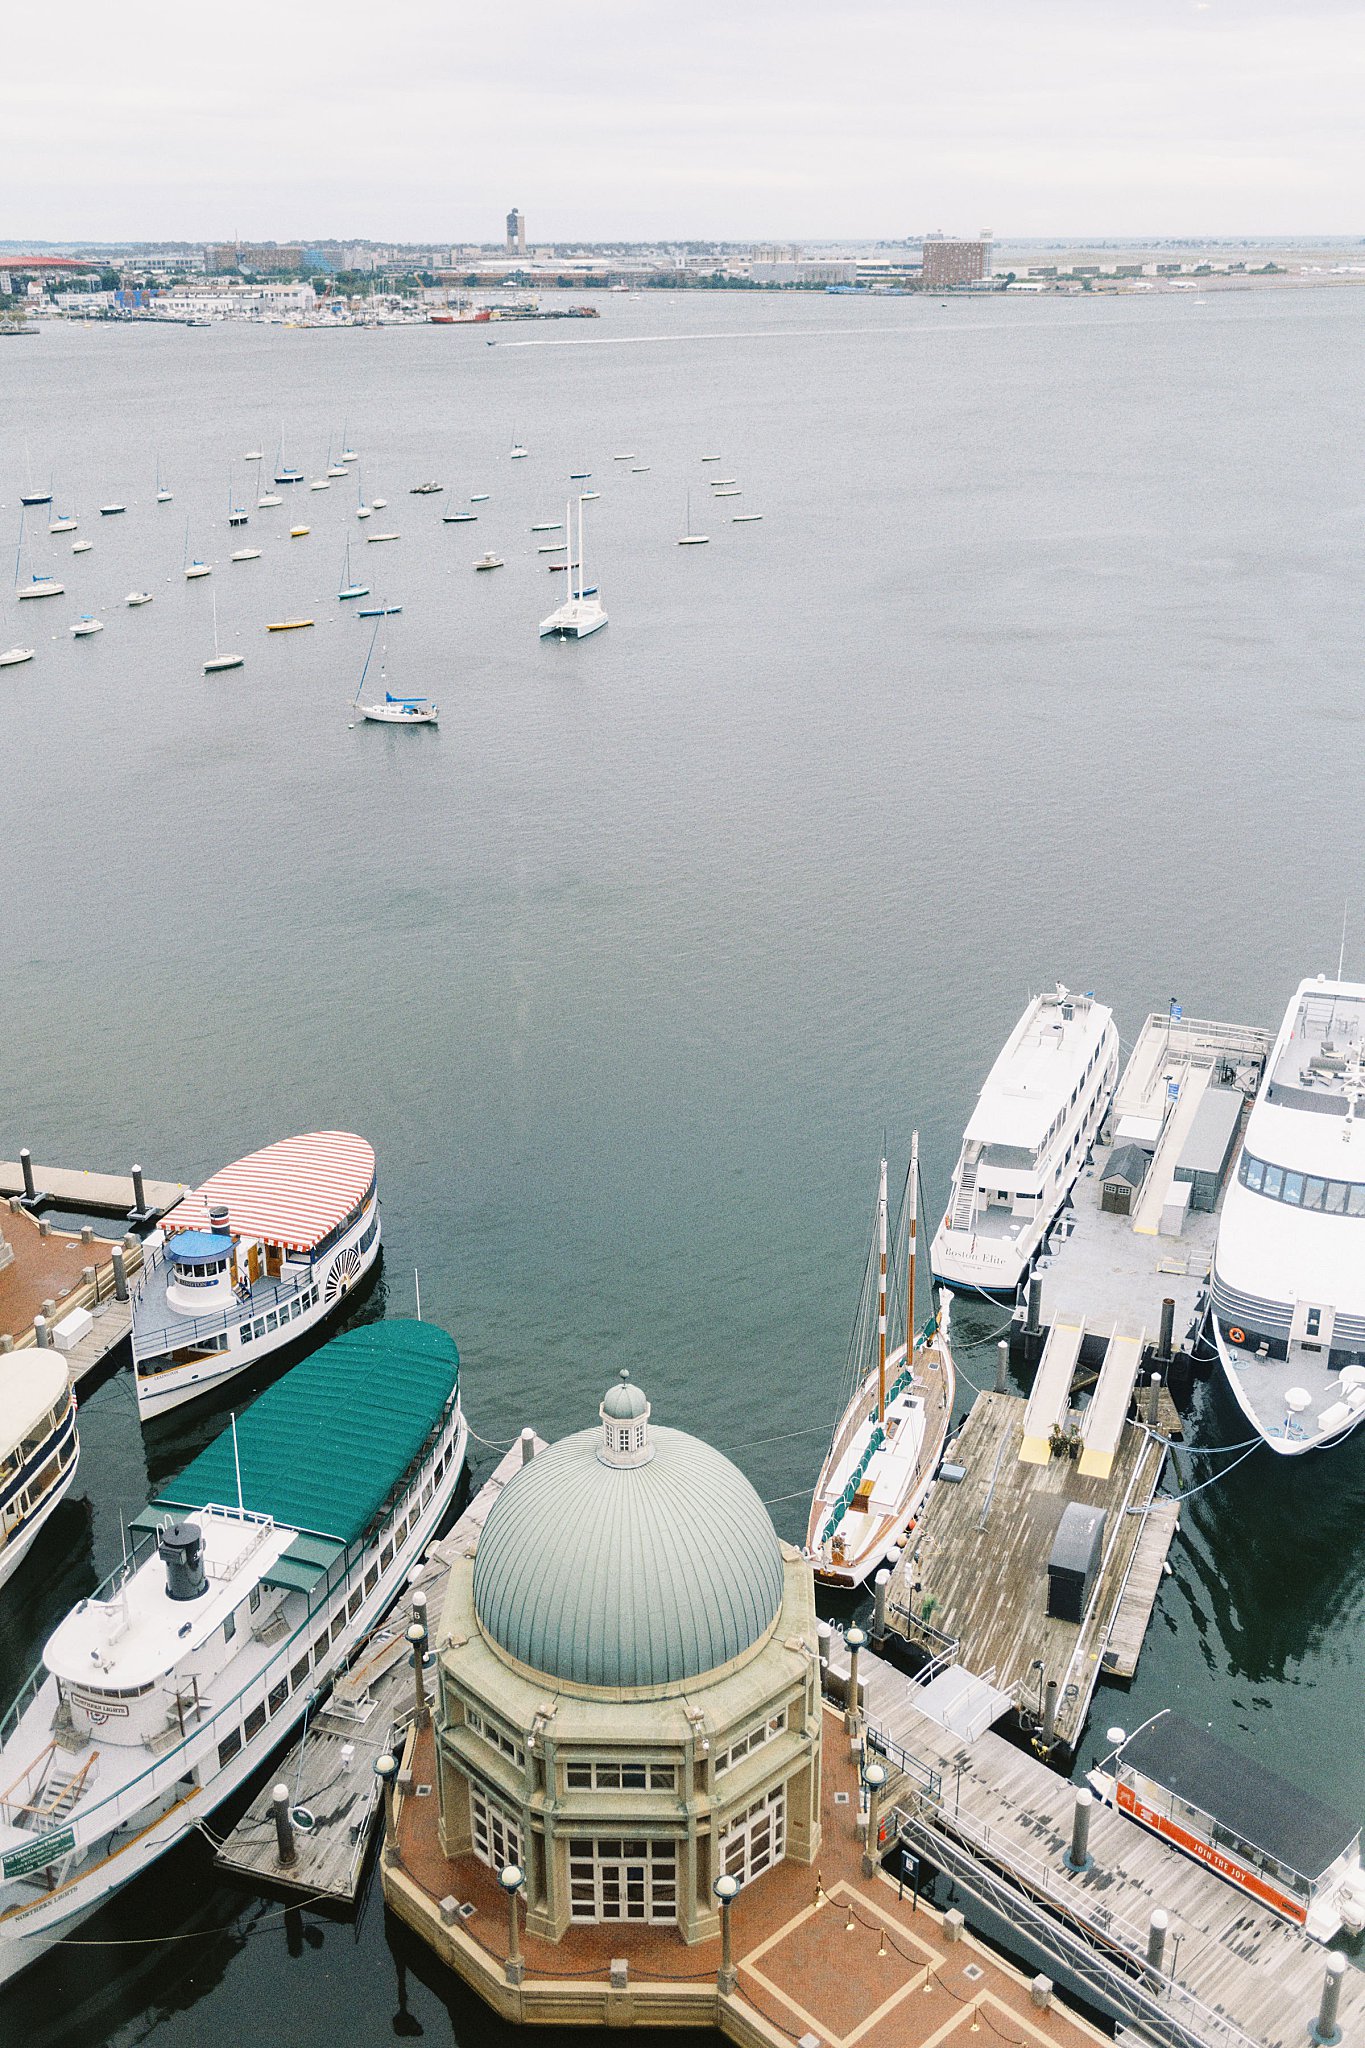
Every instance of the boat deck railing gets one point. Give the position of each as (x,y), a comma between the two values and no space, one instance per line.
(186,1330)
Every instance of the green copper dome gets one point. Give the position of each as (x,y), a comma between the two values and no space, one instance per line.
(625,1401)
(627,1571)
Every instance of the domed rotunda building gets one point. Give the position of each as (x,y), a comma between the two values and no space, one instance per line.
(629,1688)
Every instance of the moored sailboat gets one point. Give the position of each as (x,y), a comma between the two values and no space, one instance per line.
(888,1442)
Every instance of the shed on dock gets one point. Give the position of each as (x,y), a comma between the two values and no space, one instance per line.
(1205,1153)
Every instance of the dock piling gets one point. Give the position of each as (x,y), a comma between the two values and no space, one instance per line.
(1079,1855)
(1033,1327)
(1156,1940)
(1163,1349)
(40,1336)
(284,1826)
(855,1638)
(1325,2031)
(528,1446)
(120,1274)
(386,1770)
(1049,1734)
(139,1196)
(880,1585)
(26,1162)
(1154,1400)
(1002,1366)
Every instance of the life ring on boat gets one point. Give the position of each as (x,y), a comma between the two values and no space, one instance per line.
(1236,1336)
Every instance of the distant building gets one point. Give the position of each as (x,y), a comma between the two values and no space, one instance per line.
(949,263)
(258,259)
(516,232)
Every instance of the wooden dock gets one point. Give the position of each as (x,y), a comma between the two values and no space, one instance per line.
(96,1194)
(66,1268)
(1235,1968)
(974,1584)
(330,1769)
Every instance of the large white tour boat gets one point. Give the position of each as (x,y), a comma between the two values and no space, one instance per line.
(251,1578)
(888,1442)
(1027,1139)
(39,1448)
(251,1261)
(1288,1294)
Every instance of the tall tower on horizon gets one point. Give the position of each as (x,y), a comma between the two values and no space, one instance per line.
(516,232)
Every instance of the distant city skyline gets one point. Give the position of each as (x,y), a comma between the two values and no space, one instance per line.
(1198,118)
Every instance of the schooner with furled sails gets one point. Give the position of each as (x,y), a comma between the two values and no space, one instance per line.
(889,1439)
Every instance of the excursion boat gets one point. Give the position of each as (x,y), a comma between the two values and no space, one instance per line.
(1026,1141)
(254,1259)
(1269,1838)
(1288,1292)
(250,1579)
(889,1440)
(39,1449)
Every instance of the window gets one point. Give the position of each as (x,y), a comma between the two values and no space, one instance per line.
(228,1747)
(339,1626)
(491,1732)
(1313,1327)
(497,1837)
(756,1839)
(623,1880)
(372,1578)
(254,1597)
(278,1695)
(254,1722)
(765,1731)
(229,1628)
(299,1675)
(1307,1191)
(620,1777)
(353,1604)
(386,1557)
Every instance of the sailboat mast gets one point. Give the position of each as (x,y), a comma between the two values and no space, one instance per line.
(580,545)
(881,1296)
(913,1208)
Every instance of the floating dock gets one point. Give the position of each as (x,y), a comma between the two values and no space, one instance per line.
(1003,1825)
(95,1194)
(330,1770)
(975,1588)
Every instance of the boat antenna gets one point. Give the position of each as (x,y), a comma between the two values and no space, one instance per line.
(910,1259)
(368,659)
(417,1283)
(237,1464)
(1341,955)
(881,1294)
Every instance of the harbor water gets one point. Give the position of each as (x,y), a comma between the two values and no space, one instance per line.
(1043,662)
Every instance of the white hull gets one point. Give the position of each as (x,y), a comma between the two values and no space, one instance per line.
(18,1547)
(143,1830)
(333,1277)
(1238,1370)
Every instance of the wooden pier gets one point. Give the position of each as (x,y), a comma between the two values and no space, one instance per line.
(49,1270)
(973,1586)
(330,1769)
(94,1194)
(988,1811)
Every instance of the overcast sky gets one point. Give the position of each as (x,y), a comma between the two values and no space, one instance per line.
(738,119)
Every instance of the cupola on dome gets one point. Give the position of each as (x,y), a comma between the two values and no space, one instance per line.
(630,1558)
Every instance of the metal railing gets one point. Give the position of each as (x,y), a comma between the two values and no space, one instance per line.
(241,1309)
(1103,1950)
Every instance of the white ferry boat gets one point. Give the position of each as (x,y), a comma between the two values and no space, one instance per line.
(1288,1293)
(251,1261)
(1027,1139)
(888,1443)
(39,1448)
(252,1576)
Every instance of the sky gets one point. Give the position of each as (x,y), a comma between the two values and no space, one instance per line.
(726,119)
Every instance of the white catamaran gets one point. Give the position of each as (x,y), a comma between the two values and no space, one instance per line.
(889,1440)
(252,1577)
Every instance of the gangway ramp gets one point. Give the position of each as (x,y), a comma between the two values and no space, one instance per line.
(1104,1418)
(1050,1399)
(962,1703)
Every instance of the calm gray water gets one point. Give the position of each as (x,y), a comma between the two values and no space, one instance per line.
(1044,662)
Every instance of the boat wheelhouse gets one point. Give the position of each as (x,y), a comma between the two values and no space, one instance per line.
(39,1449)
(888,1442)
(1288,1293)
(1272,1840)
(251,1578)
(253,1260)
(1030,1134)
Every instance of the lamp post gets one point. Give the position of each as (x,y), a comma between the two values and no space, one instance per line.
(874,1777)
(726,1890)
(386,1770)
(512,1877)
(417,1636)
(856,1639)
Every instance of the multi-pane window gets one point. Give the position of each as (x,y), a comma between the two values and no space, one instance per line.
(623,1880)
(491,1732)
(1302,1191)
(618,1777)
(497,1836)
(756,1838)
(755,1739)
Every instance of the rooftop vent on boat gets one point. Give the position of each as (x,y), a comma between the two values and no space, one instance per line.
(182,1547)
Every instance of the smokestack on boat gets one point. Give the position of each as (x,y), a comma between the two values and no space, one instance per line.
(218,1218)
(182,1549)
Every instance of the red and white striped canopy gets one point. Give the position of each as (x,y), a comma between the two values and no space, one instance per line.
(291,1193)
